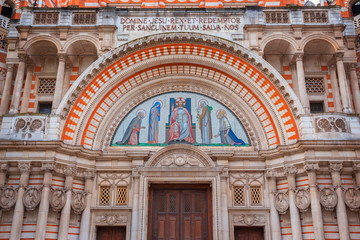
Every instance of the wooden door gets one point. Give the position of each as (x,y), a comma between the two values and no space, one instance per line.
(180,213)
(249,233)
(111,233)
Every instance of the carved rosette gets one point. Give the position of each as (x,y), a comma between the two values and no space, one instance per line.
(328,198)
(302,200)
(28,125)
(7,197)
(31,198)
(331,124)
(57,199)
(78,202)
(352,198)
(249,219)
(112,219)
(282,202)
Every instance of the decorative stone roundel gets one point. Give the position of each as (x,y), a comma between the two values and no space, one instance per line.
(78,202)
(57,200)
(31,198)
(282,202)
(302,200)
(328,198)
(7,198)
(352,198)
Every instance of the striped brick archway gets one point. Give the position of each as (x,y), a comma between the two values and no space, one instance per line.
(98,94)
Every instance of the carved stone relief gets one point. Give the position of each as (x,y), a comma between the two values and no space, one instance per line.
(29,125)
(331,124)
(112,219)
(352,198)
(328,198)
(7,197)
(302,200)
(31,198)
(78,202)
(282,202)
(249,219)
(180,161)
(57,200)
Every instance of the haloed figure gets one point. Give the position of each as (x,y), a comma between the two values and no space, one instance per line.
(131,136)
(205,122)
(154,118)
(226,134)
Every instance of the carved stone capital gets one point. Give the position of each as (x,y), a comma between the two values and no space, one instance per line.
(271,173)
(48,166)
(62,57)
(4,167)
(89,174)
(25,167)
(70,170)
(339,56)
(290,170)
(356,166)
(335,167)
(311,166)
(22,57)
(299,56)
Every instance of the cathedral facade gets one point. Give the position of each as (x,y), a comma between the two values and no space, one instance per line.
(211,120)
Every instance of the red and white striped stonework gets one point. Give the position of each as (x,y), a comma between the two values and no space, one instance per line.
(107,76)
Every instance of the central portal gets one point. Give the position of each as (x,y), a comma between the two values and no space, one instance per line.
(180,212)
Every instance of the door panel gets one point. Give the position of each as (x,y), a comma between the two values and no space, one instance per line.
(111,233)
(249,233)
(179,214)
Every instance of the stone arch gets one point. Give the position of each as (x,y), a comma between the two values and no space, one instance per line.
(180,155)
(349,6)
(77,38)
(323,37)
(274,37)
(36,39)
(229,65)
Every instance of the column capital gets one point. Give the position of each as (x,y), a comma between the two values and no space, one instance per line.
(25,167)
(4,167)
(70,170)
(62,57)
(48,166)
(299,56)
(89,174)
(335,166)
(22,57)
(311,166)
(290,170)
(271,173)
(356,166)
(339,56)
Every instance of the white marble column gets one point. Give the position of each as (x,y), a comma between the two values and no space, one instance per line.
(316,213)
(290,172)
(44,204)
(4,167)
(224,204)
(135,206)
(85,217)
(274,215)
(16,96)
(356,168)
(304,99)
(18,217)
(70,172)
(335,89)
(5,99)
(344,90)
(59,82)
(26,92)
(355,87)
(66,84)
(341,214)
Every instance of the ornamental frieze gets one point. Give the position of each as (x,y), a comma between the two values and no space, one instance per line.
(331,124)
(112,219)
(249,219)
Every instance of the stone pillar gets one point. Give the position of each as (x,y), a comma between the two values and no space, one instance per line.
(356,168)
(15,100)
(316,213)
(3,171)
(304,99)
(295,83)
(70,172)
(274,215)
(18,217)
(341,214)
(291,171)
(44,204)
(335,89)
(344,90)
(5,99)
(59,82)
(135,206)
(355,87)
(224,205)
(26,92)
(66,84)
(85,217)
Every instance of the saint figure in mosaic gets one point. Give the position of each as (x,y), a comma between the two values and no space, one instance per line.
(226,134)
(131,136)
(154,118)
(205,125)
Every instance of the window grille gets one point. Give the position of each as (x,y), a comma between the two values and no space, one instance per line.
(239,195)
(46,86)
(316,17)
(121,196)
(46,18)
(314,85)
(104,195)
(276,17)
(255,195)
(357,21)
(3,44)
(84,18)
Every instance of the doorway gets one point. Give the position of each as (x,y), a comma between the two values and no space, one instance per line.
(180,212)
(249,233)
(111,233)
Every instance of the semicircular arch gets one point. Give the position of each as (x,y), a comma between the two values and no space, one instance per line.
(47,38)
(282,37)
(78,38)
(322,37)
